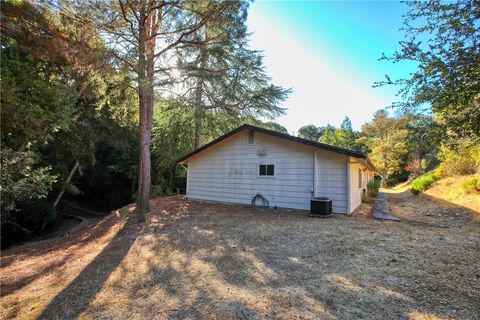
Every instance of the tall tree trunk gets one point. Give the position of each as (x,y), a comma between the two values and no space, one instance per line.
(146,71)
(144,173)
(145,99)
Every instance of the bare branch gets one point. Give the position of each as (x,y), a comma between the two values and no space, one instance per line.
(132,28)
(186,34)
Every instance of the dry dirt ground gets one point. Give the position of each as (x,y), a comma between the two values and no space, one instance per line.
(194,260)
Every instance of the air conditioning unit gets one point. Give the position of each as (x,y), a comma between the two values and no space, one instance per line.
(321,206)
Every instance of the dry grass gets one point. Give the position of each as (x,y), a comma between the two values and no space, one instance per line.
(210,261)
(450,189)
(445,192)
(443,204)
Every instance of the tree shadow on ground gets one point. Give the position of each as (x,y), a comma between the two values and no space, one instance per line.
(90,281)
(235,262)
(64,247)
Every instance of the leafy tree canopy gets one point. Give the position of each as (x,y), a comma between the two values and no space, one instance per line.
(444,38)
(386,138)
(311,132)
(275,126)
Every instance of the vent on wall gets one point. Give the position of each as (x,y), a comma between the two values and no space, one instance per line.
(251,137)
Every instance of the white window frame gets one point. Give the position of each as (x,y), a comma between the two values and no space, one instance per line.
(267,164)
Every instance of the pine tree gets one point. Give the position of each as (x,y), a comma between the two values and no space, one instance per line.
(220,75)
(310,131)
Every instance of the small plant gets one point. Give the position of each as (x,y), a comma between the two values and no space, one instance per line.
(471,185)
(366,198)
(373,187)
(372,191)
(423,183)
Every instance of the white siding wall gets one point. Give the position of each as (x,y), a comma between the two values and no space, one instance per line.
(356,190)
(331,179)
(228,172)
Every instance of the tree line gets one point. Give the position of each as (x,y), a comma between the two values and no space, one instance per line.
(402,146)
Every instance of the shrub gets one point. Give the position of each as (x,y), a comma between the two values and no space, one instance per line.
(373,187)
(423,183)
(21,180)
(471,185)
(462,159)
(366,198)
(372,190)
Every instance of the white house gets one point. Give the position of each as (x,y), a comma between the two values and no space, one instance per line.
(287,171)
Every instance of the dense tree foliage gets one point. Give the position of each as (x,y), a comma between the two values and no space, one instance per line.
(444,38)
(214,71)
(343,137)
(311,132)
(386,138)
(220,76)
(61,98)
(276,127)
(423,143)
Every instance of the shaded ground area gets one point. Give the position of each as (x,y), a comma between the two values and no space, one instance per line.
(74,217)
(211,261)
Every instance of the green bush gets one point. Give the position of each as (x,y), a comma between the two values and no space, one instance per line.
(423,183)
(462,159)
(372,191)
(373,187)
(471,185)
(21,179)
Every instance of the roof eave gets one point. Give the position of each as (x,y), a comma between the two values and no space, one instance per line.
(275,134)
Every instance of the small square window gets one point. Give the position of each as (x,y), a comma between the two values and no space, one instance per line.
(251,137)
(266,170)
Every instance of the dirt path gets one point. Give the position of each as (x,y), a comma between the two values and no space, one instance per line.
(426,209)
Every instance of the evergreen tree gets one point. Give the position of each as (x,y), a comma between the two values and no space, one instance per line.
(276,127)
(345,136)
(225,75)
(423,143)
(141,35)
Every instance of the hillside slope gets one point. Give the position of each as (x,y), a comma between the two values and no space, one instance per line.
(444,203)
(450,189)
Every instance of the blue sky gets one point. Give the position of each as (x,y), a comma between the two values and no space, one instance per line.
(327,52)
